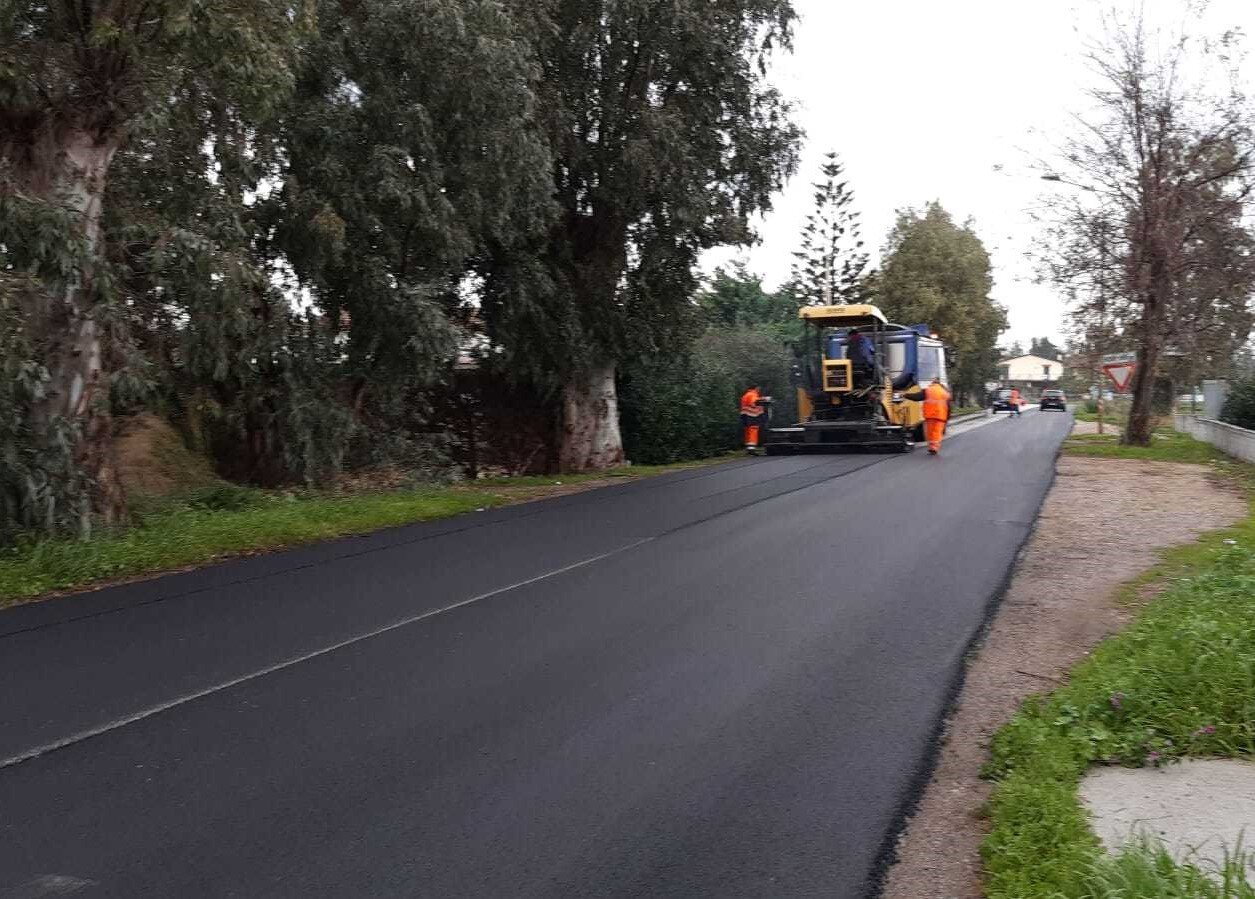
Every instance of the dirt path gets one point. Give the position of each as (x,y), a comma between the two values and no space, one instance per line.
(1058,607)
(1091,427)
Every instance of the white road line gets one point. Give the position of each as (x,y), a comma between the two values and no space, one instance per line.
(296,660)
(971,424)
(48,885)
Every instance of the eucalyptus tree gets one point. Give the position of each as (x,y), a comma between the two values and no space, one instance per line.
(666,140)
(79,79)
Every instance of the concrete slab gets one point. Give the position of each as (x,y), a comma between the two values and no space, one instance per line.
(1199,808)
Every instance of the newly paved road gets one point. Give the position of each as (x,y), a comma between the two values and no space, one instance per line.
(722,683)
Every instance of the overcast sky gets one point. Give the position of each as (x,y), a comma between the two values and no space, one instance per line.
(923,99)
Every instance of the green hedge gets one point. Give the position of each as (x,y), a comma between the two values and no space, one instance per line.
(1239,406)
(686,407)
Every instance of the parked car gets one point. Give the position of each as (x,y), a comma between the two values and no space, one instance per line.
(1054,399)
(1000,400)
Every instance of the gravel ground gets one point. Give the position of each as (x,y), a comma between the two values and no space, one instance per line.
(1101,525)
(1091,427)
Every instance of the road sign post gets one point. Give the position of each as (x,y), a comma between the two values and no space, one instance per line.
(1119,367)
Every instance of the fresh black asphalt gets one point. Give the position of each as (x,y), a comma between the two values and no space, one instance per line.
(723,682)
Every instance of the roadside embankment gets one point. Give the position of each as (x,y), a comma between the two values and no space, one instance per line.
(1117,529)
(220,521)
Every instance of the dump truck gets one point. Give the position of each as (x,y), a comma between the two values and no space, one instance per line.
(853,367)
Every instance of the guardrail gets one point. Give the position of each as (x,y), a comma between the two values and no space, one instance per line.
(1230,439)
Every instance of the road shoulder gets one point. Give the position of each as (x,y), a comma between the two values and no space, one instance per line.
(1104,522)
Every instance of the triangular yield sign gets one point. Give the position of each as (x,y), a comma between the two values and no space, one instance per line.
(1120,373)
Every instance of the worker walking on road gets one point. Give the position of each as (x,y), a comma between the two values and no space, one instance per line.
(751,416)
(936,413)
(1015,402)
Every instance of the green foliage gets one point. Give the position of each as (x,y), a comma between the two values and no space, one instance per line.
(42,486)
(1045,348)
(736,299)
(1176,683)
(1148,871)
(938,273)
(363,193)
(1239,405)
(304,202)
(693,145)
(78,81)
(412,147)
(686,407)
(831,263)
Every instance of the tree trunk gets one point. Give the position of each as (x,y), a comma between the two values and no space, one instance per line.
(590,423)
(1141,424)
(68,320)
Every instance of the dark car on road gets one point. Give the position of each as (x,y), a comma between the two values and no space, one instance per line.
(1000,400)
(1054,399)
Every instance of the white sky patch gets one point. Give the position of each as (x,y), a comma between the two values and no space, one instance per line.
(266,188)
(213,168)
(952,102)
(349,92)
(284,277)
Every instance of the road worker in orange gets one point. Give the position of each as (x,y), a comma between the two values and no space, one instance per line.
(1016,402)
(751,416)
(936,413)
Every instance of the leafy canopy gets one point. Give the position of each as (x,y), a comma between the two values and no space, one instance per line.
(938,273)
(666,139)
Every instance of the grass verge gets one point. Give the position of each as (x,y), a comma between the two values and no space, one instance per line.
(227,521)
(1167,446)
(1180,681)
(1149,872)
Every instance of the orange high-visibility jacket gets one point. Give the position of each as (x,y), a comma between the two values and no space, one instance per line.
(936,403)
(749,402)
(1015,396)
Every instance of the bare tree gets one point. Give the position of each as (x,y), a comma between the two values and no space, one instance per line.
(1164,165)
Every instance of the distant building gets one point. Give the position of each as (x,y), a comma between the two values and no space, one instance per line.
(1031,374)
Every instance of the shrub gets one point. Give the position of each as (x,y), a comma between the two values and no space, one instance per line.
(686,407)
(1239,406)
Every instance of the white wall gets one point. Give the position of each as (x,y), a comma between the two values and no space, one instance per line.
(1030,368)
(1230,439)
(1214,394)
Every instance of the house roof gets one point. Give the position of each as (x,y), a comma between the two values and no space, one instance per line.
(1030,356)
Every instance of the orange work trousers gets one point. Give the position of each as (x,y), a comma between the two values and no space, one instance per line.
(751,435)
(934,429)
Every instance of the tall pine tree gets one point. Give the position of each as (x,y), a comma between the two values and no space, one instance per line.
(830,266)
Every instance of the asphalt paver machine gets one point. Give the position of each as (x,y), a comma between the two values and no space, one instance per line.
(849,398)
